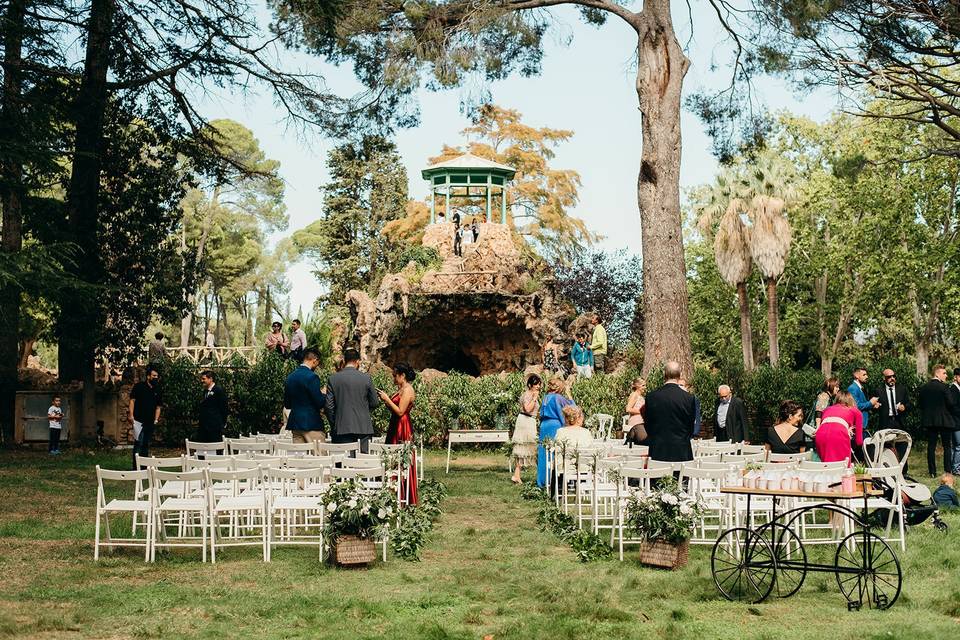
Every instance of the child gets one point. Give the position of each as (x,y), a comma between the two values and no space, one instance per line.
(945,496)
(55,416)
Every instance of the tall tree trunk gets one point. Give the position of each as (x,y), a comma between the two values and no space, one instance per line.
(660,71)
(78,326)
(773,321)
(26,350)
(746,331)
(11,201)
(186,323)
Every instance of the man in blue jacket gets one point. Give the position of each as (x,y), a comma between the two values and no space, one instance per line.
(856,389)
(306,400)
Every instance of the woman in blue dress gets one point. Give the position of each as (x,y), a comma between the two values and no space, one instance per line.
(551,419)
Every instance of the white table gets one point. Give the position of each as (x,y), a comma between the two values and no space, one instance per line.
(474,436)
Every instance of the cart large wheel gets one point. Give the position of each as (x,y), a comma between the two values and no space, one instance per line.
(791,559)
(743,565)
(867,569)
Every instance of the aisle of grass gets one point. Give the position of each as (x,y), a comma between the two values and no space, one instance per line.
(487,570)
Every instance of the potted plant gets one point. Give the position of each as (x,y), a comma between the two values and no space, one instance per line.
(665,520)
(860,471)
(355,517)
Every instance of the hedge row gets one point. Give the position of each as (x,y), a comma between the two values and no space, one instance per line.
(459,401)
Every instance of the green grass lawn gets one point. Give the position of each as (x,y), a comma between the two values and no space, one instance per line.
(487,571)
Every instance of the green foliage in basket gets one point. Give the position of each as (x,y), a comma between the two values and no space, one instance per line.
(353,509)
(666,514)
(859,469)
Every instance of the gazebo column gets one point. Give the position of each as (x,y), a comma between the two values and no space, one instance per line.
(433,205)
(488,199)
(503,205)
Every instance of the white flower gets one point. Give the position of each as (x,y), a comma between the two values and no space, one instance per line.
(669,498)
(332,507)
(685,509)
(353,503)
(365,510)
(381,514)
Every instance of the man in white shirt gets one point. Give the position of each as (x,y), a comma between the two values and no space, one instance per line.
(298,341)
(55,418)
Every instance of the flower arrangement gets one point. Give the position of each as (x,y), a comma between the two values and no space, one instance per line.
(667,514)
(353,509)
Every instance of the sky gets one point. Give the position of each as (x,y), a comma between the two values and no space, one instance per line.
(586,85)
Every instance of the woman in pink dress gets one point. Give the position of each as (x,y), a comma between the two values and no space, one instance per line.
(400,430)
(840,424)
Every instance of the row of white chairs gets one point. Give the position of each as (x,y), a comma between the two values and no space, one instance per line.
(598,500)
(280,446)
(227,502)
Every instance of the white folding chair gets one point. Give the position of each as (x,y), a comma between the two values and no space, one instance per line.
(789,457)
(119,506)
(890,476)
(604,425)
(704,486)
(747,449)
(250,448)
(716,449)
(185,511)
(142,489)
(289,449)
(745,457)
(239,518)
(810,465)
(347,448)
(206,448)
(296,515)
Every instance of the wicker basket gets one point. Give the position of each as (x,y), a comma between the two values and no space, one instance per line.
(666,555)
(353,550)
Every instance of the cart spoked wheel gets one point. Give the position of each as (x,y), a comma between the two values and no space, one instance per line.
(867,570)
(743,564)
(791,559)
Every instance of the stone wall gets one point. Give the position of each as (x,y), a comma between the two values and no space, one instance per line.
(479,314)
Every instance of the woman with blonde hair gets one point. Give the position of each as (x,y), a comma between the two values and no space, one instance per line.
(551,419)
(525,430)
(636,407)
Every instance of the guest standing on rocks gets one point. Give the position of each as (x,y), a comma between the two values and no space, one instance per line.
(475,230)
(525,430)
(598,344)
(298,341)
(552,354)
(276,341)
(582,357)
(157,349)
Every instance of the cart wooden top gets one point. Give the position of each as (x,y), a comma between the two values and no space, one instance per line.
(786,493)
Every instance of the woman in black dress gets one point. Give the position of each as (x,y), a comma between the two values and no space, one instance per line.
(786,436)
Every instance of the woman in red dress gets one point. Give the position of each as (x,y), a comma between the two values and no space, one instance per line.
(400,430)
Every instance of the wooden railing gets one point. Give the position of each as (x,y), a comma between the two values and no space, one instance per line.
(215,355)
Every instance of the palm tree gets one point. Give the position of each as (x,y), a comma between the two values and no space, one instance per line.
(770,235)
(731,248)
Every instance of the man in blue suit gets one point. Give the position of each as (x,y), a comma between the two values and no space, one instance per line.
(306,400)
(856,389)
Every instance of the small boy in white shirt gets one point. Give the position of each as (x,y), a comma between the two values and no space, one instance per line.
(55,416)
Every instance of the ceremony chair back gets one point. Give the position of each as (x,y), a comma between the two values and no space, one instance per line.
(105,508)
(347,448)
(203,448)
(294,448)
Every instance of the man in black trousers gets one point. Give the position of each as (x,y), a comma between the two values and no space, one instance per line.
(953,402)
(213,410)
(731,416)
(670,414)
(937,419)
(894,404)
(350,399)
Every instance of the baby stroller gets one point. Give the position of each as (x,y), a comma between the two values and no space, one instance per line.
(879,452)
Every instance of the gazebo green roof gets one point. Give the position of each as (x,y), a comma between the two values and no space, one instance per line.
(469,163)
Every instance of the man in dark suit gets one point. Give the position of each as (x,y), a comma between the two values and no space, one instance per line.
(306,400)
(953,400)
(894,404)
(937,419)
(730,416)
(213,410)
(350,399)
(670,414)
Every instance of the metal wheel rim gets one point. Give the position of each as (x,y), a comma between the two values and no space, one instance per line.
(734,575)
(879,571)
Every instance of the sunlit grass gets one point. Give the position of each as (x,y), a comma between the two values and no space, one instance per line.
(487,570)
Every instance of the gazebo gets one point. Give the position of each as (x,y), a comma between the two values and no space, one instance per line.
(468,177)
